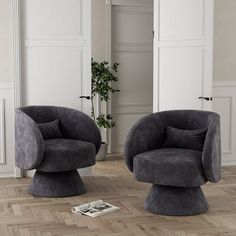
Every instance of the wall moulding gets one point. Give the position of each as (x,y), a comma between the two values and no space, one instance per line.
(224,98)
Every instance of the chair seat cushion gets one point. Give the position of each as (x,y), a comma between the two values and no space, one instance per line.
(170,166)
(67,154)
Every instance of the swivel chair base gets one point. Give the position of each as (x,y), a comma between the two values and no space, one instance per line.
(56,184)
(176,201)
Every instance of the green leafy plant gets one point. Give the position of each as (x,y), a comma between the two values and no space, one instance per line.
(103,79)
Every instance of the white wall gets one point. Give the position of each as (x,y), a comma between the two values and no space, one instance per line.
(224,40)
(5,41)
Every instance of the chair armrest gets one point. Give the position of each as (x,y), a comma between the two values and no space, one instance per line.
(147,134)
(75,124)
(29,144)
(211,156)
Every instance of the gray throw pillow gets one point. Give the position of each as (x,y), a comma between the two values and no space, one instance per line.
(189,139)
(50,130)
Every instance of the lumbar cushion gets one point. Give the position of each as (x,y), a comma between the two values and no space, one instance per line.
(189,139)
(50,130)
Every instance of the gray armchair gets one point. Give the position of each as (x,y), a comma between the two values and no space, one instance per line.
(177,167)
(72,145)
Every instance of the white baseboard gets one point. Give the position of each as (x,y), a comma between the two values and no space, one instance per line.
(229,163)
(7,175)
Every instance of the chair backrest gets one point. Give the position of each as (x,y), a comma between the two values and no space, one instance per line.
(74,124)
(29,144)
(40,114)
(192,119)
(186,119)
(149,133)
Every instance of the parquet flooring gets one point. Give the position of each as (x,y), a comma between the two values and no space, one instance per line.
(24,215)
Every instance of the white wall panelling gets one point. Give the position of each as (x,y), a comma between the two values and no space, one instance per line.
(224,103)
(132,47)
(7,163)
(9,86)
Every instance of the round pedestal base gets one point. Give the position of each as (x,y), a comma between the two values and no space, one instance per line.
(175,201)
(57,184)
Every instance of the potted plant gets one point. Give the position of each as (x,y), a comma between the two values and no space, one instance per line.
(103,79)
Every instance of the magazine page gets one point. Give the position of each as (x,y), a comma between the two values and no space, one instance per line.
(94,209)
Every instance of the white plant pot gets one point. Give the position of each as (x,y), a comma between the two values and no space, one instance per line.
(102,154)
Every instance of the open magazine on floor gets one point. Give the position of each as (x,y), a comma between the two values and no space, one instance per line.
(94,209)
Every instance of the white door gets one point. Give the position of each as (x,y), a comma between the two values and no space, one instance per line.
(183,52)
(56,50)
(57,54)
(132,47)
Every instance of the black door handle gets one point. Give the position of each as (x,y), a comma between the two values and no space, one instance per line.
(87,97)
(206,98)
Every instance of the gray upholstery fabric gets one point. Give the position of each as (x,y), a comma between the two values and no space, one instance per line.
(176,173)
(77,125)
(74,124)
(55,158)
(59,184)
(50,130)
(29,144)
(149,134)
(182,138)
(67,154)
(171,167)
(175,201)
(41,114)
(211,156)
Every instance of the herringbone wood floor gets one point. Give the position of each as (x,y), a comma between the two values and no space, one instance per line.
(24,215)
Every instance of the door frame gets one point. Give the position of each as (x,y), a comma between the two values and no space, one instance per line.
(108,55)
(16,68)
